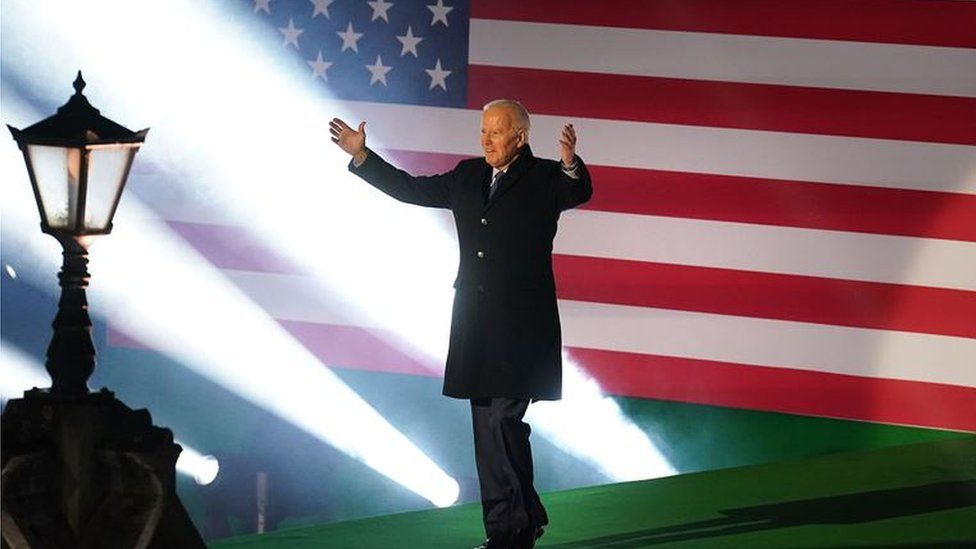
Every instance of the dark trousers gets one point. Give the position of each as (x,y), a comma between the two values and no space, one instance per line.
(504,459)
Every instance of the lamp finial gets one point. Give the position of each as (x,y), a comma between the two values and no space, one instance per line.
(79,83)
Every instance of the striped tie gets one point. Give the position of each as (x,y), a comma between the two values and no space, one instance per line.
(494,184)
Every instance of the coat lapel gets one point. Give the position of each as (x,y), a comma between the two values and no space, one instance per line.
(512,175)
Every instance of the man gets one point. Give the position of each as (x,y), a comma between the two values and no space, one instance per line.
(505,345)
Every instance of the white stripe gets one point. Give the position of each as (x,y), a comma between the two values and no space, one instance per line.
(751,153)
(734,339)
(721,244)
(785,250)
(725,57)
(299,299)
(776,343)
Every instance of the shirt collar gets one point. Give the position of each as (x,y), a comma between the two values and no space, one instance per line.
(494,170)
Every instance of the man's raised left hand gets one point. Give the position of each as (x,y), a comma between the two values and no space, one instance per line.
(567,145)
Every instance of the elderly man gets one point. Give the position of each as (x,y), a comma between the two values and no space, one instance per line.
(505,346)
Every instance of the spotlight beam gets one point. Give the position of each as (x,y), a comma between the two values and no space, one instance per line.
(19,372)
(202,468)
(402,281)
(160,291)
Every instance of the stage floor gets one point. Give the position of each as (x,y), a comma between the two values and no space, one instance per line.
(920,495)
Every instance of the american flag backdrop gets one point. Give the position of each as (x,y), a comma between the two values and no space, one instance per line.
(784,209)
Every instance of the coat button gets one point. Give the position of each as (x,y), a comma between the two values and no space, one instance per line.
(481,255)
(484,221)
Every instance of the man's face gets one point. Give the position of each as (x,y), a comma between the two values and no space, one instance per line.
(499,140)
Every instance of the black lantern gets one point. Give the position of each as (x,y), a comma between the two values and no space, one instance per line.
(78,162)
(80,468)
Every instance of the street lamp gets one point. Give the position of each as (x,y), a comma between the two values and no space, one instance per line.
(78,162)
(81,469)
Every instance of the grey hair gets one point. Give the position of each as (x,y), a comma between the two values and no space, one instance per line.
(520,114)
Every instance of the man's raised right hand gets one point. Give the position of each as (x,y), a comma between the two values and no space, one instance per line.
(350,140)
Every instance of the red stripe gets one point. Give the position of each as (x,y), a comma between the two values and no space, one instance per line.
(837,207)
(766,295)
(336,346)
(924,22)
(713,290)
(853,113)
(781,389)
(424,163)
(233,248)
(360,348)
(682,380)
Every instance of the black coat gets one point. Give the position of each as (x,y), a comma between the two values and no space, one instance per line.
(505,337)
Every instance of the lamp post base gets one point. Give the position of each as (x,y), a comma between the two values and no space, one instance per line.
(86,471)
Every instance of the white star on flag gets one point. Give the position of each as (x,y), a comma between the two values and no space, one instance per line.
(378,71)
(321,6)
(319,66)
(291,34)
(438,76)
(409,42)
(262,5)
(380,7)
(350,39)
(440,12)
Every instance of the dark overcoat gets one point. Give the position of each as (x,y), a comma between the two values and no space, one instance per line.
(505,336)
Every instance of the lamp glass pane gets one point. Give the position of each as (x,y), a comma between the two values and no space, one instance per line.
(106,169)
(56,172)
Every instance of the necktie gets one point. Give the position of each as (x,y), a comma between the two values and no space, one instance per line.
(494,184)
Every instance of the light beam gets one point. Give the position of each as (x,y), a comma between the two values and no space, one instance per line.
(256,133)
(19,372)
(202,468)
(161,292)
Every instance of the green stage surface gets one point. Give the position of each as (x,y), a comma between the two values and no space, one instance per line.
(919,495)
